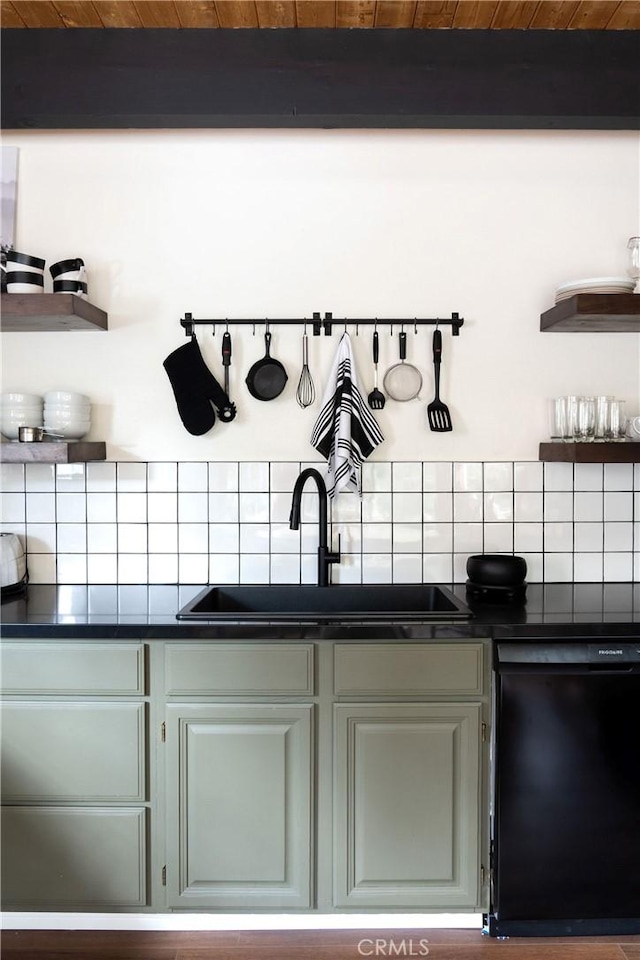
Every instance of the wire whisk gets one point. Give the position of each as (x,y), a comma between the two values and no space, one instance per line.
(306,392)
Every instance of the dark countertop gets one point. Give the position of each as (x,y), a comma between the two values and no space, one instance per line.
(559,610)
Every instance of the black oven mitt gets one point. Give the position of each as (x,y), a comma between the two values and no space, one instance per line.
(196,389)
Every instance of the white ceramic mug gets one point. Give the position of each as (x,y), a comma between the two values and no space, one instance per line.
(69,276)
(25,281)
(24,263)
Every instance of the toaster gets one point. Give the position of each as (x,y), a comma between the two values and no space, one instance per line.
(13,564)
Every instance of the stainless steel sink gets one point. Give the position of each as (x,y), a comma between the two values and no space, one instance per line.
(369,602)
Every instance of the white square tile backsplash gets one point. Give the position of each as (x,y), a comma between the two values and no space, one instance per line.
(498,476)
(588,476)
(406,477)
(228,522)
(40,507)
(437,476)
(162,477)
(527,476)
(467,477)
(40,477)
(193,477)
(101,477)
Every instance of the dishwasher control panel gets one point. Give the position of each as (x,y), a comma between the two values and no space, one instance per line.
(561,653)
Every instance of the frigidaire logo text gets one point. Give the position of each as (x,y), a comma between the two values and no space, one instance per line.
(609,653)
(393,948)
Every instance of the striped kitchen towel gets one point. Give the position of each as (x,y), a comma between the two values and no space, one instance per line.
(346,432)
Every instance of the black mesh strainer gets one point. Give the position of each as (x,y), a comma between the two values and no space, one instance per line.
(403,381)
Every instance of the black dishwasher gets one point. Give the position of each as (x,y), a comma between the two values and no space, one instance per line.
(566,789)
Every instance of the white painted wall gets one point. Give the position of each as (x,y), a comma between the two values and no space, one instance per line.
(259,223)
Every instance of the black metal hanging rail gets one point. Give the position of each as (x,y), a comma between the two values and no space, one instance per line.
(320,324)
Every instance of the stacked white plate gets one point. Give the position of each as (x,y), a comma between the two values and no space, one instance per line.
(19,410)
(67,414)
(595,285)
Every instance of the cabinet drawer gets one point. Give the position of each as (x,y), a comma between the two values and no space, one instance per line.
(244,669)
(69,857)
(72,751)
(88,669)
(406,669)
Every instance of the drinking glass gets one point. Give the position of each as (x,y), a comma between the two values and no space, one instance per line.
(633,258)
(616,421)
(571,418)
(585,425)
(558,418)
(602,416)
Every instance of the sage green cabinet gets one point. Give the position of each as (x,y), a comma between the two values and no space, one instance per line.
(408,761)
(406,805)
(228,774)
(72,668)
(239,806)
(74,759)
(239,775)
(74,750)
(73,858)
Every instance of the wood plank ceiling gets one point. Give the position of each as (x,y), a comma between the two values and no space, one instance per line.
(342,14)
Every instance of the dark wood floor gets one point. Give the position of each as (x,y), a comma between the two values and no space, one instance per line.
(305,945)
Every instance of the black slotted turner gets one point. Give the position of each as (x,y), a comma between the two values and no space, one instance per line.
(438,412)
(376,398)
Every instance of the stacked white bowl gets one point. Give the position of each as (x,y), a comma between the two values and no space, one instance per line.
(19,410)
(67,414)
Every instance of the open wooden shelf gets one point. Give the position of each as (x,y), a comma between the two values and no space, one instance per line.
(594,313)
(78,451)
(42,312)
(627,451)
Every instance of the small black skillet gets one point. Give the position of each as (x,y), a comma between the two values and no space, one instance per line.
(267,377)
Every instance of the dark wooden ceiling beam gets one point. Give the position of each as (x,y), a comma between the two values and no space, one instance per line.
(593,15)
(355,14)
(434,14)
(237,14)
(78,13)
(197,13)
(475,14)
(10,16)
(115,14)
(276,14)
(395,14)
(553,14)
(325,14)
(157,13)
(318,15)
(513,15)
(173,78)
(38,13)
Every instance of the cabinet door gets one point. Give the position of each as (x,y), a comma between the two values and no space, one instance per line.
(239,805)
(406,805)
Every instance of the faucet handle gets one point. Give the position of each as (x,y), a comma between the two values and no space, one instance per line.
(333,556)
